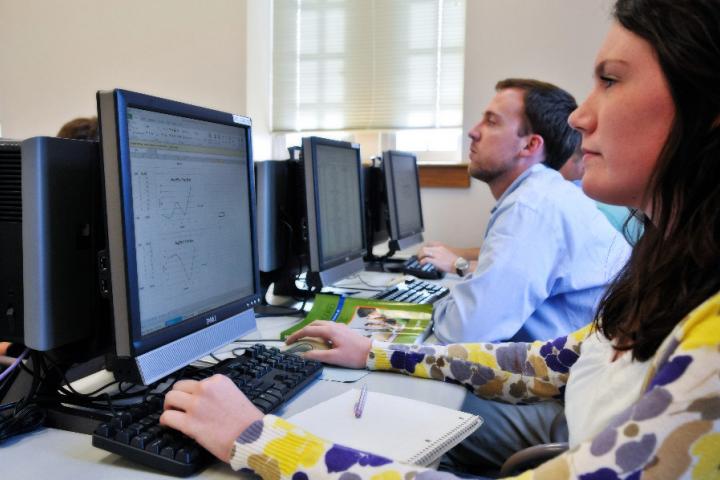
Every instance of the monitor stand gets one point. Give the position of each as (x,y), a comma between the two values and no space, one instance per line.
(385,263)
(288,287)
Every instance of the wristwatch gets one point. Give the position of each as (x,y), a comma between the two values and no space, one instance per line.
(461,266)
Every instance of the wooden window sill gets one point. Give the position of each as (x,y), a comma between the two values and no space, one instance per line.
(444,176)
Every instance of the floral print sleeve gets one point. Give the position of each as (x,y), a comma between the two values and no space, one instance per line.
(510,372)
(672,431)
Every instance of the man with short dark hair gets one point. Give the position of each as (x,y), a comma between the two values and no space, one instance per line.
(548,253)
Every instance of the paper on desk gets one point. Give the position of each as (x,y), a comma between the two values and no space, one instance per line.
(408,430)
(344,375)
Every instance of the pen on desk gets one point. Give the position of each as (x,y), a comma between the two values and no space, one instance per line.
(360,404)
(364,329)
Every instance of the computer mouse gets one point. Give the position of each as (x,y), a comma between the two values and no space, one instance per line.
(305,344)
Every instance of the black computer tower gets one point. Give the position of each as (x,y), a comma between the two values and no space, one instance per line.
(11,299)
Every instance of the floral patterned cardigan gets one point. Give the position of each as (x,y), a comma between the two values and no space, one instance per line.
(672,431)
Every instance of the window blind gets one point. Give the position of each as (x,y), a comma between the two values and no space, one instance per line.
(367,64)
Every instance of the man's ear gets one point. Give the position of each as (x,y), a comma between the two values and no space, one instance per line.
(533,146)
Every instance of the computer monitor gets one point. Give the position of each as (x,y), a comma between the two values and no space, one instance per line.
(181,266)
(376,208)
(334,206)
(403,197)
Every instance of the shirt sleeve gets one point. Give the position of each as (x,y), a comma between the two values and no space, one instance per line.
(275,448)
(672,431)
(511,372)
(516,267)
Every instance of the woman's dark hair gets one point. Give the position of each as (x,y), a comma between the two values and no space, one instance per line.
(363,312)
(675,265)
(81,128)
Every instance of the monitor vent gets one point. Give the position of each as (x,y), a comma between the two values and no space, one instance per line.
(10,194)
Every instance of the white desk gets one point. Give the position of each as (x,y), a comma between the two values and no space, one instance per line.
(50,452)
(60,455)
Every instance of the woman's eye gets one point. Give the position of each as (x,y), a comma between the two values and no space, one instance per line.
(607,81)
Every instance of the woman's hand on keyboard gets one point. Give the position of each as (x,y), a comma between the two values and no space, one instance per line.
(348,348)
(213,412)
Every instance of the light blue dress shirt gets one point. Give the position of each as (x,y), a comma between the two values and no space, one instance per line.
(621,218)
(547,257)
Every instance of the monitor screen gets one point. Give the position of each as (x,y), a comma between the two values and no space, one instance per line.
(182,242)
(335,212)
(403,191)
(191,212)
(339,202)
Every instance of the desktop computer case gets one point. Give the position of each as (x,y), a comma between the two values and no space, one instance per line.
(60,238)
(11,300)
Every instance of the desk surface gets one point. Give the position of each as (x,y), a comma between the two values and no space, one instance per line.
(70,455)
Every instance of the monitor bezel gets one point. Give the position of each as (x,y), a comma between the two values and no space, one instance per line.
(398,240)
(124,292)
(354,259)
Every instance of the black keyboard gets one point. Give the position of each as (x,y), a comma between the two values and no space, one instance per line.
(413,291)
(267,376)
(412,266)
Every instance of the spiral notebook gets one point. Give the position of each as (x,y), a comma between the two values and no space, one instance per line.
(399,428)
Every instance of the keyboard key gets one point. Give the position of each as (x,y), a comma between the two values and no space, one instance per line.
(141,441)
(155,446)
(121,420)
(187,455)
(263,405)
(104,430)
(168,451)
(123,436)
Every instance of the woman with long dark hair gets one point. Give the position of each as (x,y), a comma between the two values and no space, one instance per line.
(641,385)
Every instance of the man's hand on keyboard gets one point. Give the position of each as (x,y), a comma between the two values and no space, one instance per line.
(349,349)
(439,255)
(213,412)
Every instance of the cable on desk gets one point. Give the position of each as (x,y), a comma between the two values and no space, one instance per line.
(26,415)
(376,288)
(14,365)
(23,420)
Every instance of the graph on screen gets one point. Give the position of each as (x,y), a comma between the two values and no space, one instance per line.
(190,203)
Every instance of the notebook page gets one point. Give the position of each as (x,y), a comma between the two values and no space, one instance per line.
(403,429)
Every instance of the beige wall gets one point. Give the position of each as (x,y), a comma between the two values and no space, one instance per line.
(54,56)
(552,40)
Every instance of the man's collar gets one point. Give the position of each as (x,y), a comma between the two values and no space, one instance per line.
(516,183)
